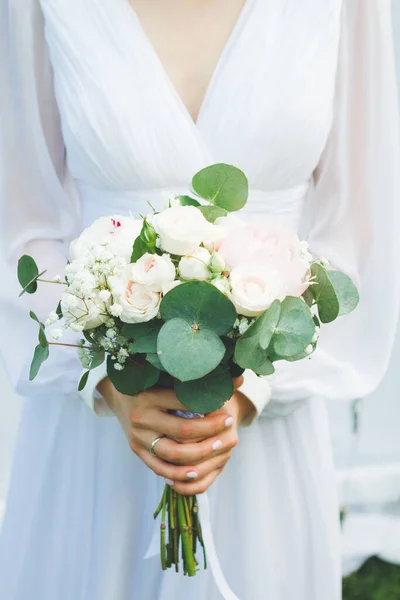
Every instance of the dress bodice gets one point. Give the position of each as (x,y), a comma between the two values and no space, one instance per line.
(268,108)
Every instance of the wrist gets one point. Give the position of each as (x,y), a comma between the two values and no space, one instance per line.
(244,407)
(109,393)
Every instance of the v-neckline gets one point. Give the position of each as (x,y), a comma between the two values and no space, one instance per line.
(221,61)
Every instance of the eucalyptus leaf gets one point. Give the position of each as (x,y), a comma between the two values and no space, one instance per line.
(208,393)
(324,294)
(137,376)
(139,249)
(188,201)
(59,310)
(41,354)
(188,353)
(265,368)
(199,303)
(27,273)
(42,335)
(154,359)
(223,185)
(213,212)
(345,290)
(267,323)
(308,297)
(83,381)
(144,336)
(97,359)
(295,328)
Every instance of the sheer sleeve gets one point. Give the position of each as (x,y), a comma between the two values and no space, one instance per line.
(37,214)
(356,220)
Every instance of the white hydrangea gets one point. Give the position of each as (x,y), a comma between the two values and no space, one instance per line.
(111,333)
(118,367)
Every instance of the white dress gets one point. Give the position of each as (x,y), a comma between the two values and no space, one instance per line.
(303,99)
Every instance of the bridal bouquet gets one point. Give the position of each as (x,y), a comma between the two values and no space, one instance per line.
(188,298)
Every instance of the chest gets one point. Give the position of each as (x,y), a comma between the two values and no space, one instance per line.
(188,38)
(262,98)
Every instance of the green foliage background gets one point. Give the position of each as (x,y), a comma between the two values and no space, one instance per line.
(376,580)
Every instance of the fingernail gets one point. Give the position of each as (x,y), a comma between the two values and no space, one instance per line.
(169,482)
(217,445)
(192,475)
(229,422)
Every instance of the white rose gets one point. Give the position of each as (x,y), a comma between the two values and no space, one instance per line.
(170,286)
(137,302)
(153,271)
(195,266)
(87,313)
(118,233)
(182,229)
(254,289)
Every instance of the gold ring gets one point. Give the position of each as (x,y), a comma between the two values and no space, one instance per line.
(153,443)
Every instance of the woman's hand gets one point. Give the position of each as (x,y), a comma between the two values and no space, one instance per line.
(194,451)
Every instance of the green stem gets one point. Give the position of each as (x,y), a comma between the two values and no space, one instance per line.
(162,528)
(175,531)
(189,564)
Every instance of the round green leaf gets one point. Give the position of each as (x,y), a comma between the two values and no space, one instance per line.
(268,321)
(295,328)
(187,353)
(153,359)
(324,294)
(144,336)
(188,201)
(345,290)
(27,274)
(213,212)
(41,354)
(137,376)
(222,185)
(199,303)
(206,394)
(98,358)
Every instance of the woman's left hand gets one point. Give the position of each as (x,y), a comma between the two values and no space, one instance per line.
(207,458)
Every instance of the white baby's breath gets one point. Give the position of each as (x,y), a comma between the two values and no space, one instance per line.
(52,318)
(56,334)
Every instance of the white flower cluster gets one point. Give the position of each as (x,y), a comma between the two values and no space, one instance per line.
(252,265)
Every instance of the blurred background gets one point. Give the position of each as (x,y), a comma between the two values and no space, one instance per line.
(366,440)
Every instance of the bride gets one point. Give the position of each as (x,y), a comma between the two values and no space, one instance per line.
(106,105)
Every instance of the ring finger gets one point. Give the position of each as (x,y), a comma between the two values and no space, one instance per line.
(190,453)
(182,473)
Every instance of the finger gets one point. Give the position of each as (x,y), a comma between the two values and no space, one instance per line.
(198,487)
(181,473)
(189,453)
(162,398)
(189,429)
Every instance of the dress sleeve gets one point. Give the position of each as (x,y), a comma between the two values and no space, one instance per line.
(38,213)
(356,218)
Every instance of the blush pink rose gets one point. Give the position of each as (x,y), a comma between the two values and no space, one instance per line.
(270,245)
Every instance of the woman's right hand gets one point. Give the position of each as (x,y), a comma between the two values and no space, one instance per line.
(192,453)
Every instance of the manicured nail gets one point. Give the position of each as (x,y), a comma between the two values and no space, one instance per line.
(169,482)
(229,422)
(217,445)
(192,475)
